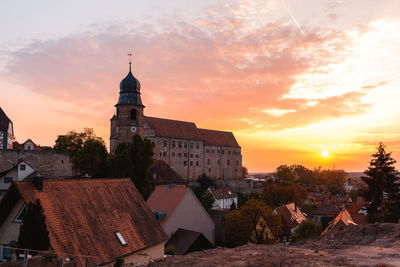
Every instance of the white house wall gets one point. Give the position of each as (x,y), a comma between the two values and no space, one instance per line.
(190,215)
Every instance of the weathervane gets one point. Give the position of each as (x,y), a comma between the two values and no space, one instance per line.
(130,60)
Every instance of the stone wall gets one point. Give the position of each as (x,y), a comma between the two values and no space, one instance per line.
(50,164)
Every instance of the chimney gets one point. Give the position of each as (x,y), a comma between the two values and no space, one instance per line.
(38,182)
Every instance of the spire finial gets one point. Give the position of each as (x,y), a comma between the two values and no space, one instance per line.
(130,61)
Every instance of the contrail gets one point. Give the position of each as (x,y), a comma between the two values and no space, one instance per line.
(293,18)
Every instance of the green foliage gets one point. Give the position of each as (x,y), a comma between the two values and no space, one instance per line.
(33,232)
(307,229)
(204,182)
(383,191)
(285,174)
(233,206)
(277,195)
(245,172)
(251,222)
(207,200)
(133,160)
(243,198)
(170,250)
(119,262)
(88,152)
(15,145)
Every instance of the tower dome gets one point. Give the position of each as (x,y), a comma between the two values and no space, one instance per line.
(129,93)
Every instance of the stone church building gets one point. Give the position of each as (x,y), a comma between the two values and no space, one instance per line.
(189,150)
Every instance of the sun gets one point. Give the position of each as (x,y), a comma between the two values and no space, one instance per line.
(325,153)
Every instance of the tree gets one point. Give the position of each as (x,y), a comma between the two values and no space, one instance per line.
(286,174)
(307,229)
(15,145)
(88,152)
(245,172)
(253,222)
(204,182)
(207,200)
(383,191)
(133,160)
(33,232)
(276,195)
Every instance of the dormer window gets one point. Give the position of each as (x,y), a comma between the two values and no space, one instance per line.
(22,167)
(133,114)
(121,238)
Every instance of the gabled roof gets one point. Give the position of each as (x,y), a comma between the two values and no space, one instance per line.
(291,215)
(164,174)
(15,167)
(189,130)
(213,137)
(166,198)
(185,241)
(173,128)
(326,210)
(82,217)
(343,218)
(4,121)
(223,192)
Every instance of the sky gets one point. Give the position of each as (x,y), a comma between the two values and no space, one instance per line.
(289,78)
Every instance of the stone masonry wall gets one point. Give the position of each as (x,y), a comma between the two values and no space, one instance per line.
(50,164)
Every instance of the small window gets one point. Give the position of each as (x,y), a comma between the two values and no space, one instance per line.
(197,145)
(191,145)
(213,151)
(20,215)
(164,153)
(29,148)
(208,161)
(207,151)
(209,169)
(191,156)
(173,154)
(185,144)
(185,155)
(165,143)
(185,163)
(197,156)
(197,163)
(229,152)
(237,163)
(222,152)
(191,163)
(8,180)
(179,154)
(22,167)
(229,162)
(160,154)
(121,238)
(173,144)
(219,161)
(180,144)
(62,161)
(133,114)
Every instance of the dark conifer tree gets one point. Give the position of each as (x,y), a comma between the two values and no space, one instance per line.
(383,191)
(33,232)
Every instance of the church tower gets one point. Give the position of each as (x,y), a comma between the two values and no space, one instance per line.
(129,117)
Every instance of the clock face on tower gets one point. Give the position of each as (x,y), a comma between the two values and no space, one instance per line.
(133,129)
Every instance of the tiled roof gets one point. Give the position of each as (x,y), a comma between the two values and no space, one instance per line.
(185,241)
(173,128)
(82,217)
(4,121)
(189,130)
(343,218)
(166,198)
(223,192)
(164,174)
(213,137)
(291,216)
(326,210)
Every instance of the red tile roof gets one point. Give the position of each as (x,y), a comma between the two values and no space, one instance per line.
(326,210)
(166,198)
(189,130)
(223,192)
(82,217)
(164,174)
(291,216)
(343,218)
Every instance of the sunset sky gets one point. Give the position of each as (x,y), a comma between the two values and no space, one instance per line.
(289,78)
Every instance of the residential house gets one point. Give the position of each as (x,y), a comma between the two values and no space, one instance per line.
(218,217)
(324,214)
(344,219)
(29,145)
(358,212)
(186,241)
(224,197)
(18,172)
(6,131)
(177,207)
(291,217)
(103,218)
(164,174)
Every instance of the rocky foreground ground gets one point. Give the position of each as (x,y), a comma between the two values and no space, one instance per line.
(369,245)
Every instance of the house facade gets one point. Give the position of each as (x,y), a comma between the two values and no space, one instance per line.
(6,131)
(105,219)
(189,150)
(224,197)
(19,172)
(181,209)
